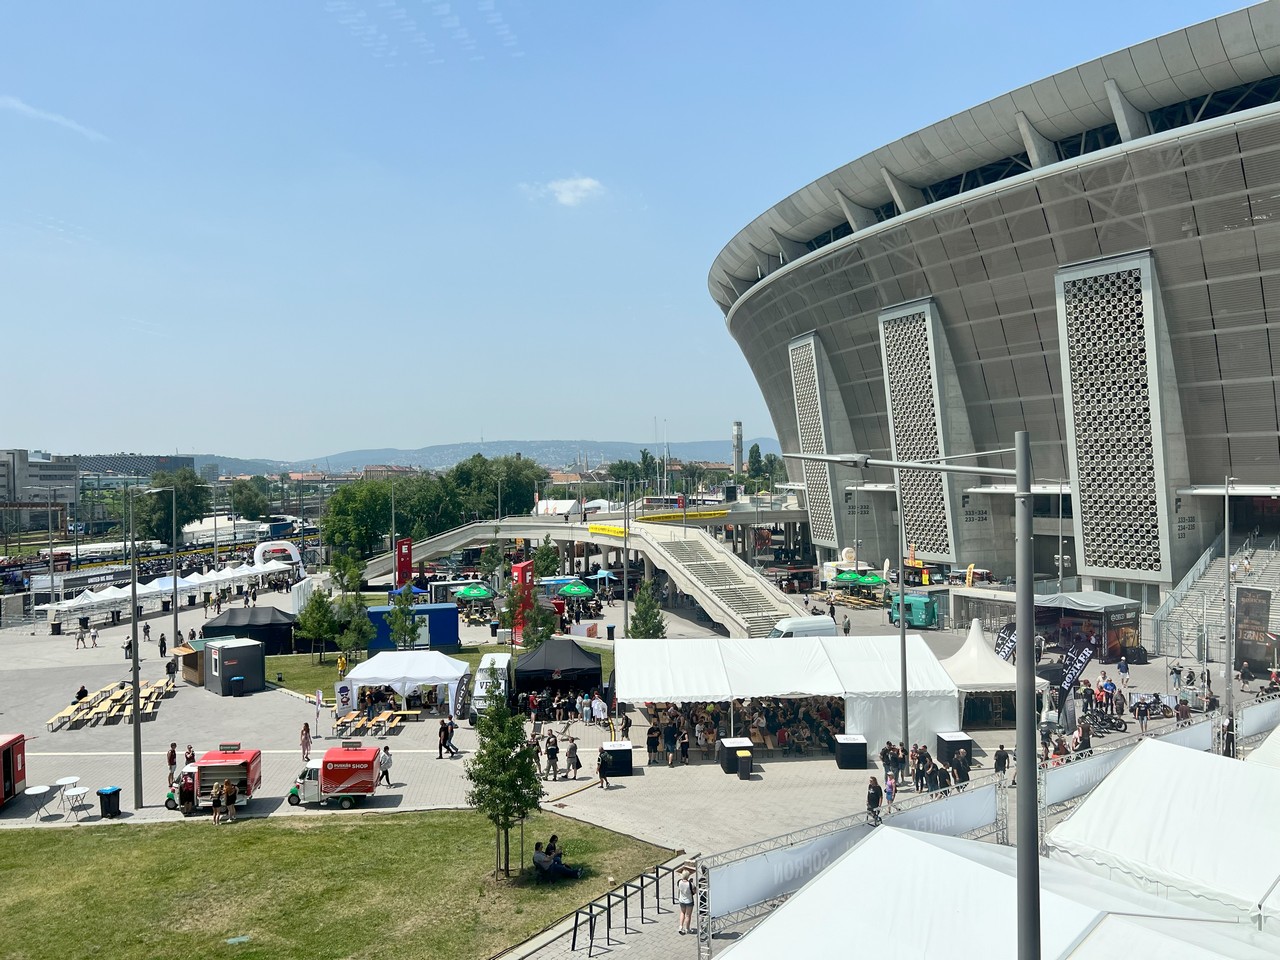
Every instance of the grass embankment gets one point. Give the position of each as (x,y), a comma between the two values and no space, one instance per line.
(384,886)
(304,673)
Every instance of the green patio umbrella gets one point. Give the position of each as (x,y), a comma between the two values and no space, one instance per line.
(576,589)
(475,591)
(871,580)
(847,576)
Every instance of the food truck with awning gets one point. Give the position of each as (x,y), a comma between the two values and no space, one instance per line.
(342,774)
(229,762)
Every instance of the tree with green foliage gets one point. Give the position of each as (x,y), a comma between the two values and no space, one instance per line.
(316,621)
(401,620)
(503,773)
(755,463)
(546,559)
(358,516)
(355,628)
(247,500)
(648,467)
(539,622)
(153,515)
(491,558)
(624,470)
(647,621)
(348,572)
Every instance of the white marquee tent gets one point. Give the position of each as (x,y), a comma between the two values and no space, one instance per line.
(909,894)
(405,671)
(865,671)
(1267,752)
(1215,844)
(977,668)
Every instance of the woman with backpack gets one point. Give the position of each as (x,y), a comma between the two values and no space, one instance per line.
(684,897)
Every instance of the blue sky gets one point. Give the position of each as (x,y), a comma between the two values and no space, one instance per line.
(289,229)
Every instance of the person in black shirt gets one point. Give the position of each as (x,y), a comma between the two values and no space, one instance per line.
(651,742)
(875,794)
(1001,761)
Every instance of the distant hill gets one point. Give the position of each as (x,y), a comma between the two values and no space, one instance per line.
(550,453)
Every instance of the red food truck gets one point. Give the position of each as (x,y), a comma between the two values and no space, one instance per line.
(342,774)
(229,762)
(13,759)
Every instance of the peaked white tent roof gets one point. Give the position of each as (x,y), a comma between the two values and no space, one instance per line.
(717,668)
(1267,752)
(406,670)
(1207,805)
(914,894)
(977,668)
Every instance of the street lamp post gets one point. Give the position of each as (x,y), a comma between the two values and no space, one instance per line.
(133,648)
(1028,821)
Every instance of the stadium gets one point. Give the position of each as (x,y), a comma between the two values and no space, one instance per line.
(1093,258)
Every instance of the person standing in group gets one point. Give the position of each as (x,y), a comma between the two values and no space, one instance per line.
(146,632)
(875,794)
(602,769)
(552,750)
(384,766)
(229,799)
(886,757)
(1001,761)
(684,897)
(164,646)
(669,737)
(626,727)
(128,648)
(1141,713)
(171,758)
(305,741)
(190,756)
(571,762)
(215,802)
(651,742)
(684,748)
(890,791)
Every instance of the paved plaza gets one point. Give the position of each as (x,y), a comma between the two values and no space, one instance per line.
(695,809)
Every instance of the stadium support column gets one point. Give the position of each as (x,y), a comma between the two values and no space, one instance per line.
(1028,822)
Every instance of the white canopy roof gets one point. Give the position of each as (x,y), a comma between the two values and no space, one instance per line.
(1207,805)
(718,668)
(1267,752)
(912,894)
(977,668)
(407,670)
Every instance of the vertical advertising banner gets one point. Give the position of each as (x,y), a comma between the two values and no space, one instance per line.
(522,576)
(1253,644)
(404,560)
(1007,641)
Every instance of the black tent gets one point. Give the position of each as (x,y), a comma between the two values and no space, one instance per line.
(274,628)
(558,663)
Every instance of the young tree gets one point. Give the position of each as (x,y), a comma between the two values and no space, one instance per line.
(316,621)
(755,463)
(401,619)
(356,630)
(647,620)
(546,559)
(491,559)
(347,572)
(503,774)
(539,622)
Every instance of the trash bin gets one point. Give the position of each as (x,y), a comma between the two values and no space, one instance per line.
(164,605)
(493,628)
(84,623)
(237,686)
(109,802)
(56,627)
(744,764)
(609,628)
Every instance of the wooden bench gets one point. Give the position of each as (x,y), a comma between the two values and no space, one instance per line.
(770,744)
(61,717)
(150,710)
(394,724)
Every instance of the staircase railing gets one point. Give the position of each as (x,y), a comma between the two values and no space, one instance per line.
(1179,593)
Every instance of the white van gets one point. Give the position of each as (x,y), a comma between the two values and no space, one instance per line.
(494,667)
(805,627)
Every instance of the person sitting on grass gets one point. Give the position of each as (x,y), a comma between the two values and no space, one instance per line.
(552,867)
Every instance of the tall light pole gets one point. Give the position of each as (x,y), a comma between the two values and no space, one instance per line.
(1028,821)
(133,648)
(1228,699)
(626,556)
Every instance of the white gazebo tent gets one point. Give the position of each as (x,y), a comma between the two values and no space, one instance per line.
(865,671)
(406,671)
(976,669)
(1207,805)
(909,894)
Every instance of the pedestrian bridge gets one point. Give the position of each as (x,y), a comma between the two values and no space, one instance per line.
(731,592)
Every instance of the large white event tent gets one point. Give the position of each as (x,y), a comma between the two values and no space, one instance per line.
(977,668)
(865,671)
(405,671)
(909,894)
(1268,751)
(89,602)
(1215,844)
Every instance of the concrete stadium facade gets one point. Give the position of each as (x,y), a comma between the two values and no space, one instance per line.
(1093,258)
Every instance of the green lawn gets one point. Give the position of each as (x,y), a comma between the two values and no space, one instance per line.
(303,675)
(369,887)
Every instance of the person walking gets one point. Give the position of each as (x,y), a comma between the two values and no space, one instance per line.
(93,636)
(890,791)
(384,766)
(442,739)
(80,639)
(1123,669)
(1141,712)
(146,632)
(684,897)
(453,728)
(875,794)
(602,769)
(1001,762)
(846,625)
(171,758)
(571,762)
(669,738)
(164,647)
(304,741)
(552,750)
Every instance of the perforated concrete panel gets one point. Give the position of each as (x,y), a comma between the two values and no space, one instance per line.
(1107,320)
(812,426)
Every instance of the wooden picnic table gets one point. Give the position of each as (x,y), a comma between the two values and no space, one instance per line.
(341,725)
(409,716)
(380,722)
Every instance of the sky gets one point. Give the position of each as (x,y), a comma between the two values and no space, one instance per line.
(290,229)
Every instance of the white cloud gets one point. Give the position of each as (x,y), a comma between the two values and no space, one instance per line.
(14,105)
(569,192)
